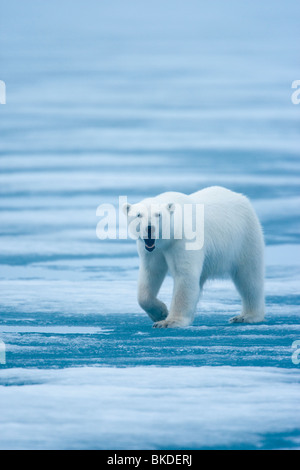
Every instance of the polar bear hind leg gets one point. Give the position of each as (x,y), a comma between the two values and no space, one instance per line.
(249,281)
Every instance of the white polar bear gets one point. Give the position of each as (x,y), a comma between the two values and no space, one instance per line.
(233,246)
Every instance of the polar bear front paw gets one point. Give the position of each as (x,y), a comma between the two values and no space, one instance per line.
(166,324)
(237,319)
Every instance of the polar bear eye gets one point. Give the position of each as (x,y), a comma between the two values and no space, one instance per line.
(139,215)
(158,214)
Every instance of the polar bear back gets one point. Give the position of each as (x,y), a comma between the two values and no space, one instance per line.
(232,231)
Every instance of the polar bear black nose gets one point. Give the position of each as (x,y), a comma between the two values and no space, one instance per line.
(150,232)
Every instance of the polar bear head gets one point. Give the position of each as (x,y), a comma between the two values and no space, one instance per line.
(150,222)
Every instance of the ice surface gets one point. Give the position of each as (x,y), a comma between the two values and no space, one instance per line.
(132,98)
(150,408)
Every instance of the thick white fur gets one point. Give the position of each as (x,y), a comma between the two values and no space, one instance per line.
(233,247)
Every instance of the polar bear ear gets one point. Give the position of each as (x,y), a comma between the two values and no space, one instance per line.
(125,208)
(171,207)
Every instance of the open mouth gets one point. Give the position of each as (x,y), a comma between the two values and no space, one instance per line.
(149,241)
(149,244)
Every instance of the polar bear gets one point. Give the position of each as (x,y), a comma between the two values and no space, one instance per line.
(233,246)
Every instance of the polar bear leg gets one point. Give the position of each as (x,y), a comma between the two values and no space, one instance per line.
(249,281)
(151,277)
(184,302)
